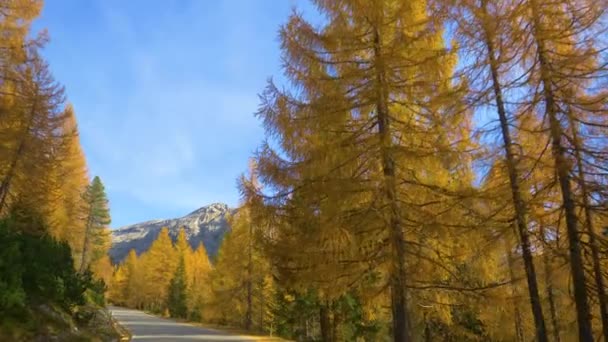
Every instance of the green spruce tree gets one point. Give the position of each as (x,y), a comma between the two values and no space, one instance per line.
(97,218)
(177,299)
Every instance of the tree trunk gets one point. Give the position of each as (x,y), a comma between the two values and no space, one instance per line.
(519,332)
(428,335)
(5,185)
(549,284)
(6,182)
(583,313)
(335,323)
(262,305)
(85,243)
(249,284)
(518,202)
(325,323)
(590,230)
(401,329)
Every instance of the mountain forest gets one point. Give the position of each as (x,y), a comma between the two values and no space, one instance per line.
(432,170)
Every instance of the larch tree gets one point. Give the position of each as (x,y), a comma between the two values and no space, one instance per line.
(45,167)
(580,101)
(370,119)
(544,220)
(199,283)
(68,180)
(562,47)
(236,280)
(126,280)
(157,267)
(15,25)
(482,27)
(103,269)
(503,237)
(42,168)
(117,286)
(30,140)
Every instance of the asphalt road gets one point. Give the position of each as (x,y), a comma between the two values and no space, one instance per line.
(145,327)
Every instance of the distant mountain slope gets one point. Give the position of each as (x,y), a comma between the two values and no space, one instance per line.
(207,225)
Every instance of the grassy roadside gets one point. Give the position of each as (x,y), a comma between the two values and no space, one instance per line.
(123,333)
(47,322)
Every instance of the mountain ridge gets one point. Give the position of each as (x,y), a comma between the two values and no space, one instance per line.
(205,225)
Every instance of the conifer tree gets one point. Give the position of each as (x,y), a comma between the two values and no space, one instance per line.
(544,222)
(67,178)
(199,283)
(157,267)
(117,286)
(482,26)
(29,139)
(238,279)
(42,168)
(97,218)
(102,269)
(15,24)
(177,292)
(125,287)
(181,243)
(371,121)
(563,47)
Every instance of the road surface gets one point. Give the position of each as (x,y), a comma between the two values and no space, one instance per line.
(145,327)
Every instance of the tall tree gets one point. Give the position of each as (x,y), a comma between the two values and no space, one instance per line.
(549,30)
(68,180)
(482,26)
(29,139)
(97,217)
(237,280)
(125,287)
(177,293)
(157,268)
(371,120)
(199,283)
(15,24)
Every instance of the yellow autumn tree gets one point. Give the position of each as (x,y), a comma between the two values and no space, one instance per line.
(71,182)
(199,283)
(157,267)
(239,280)
(370,141)
(125,287)
(30,142)
(15,24)
(562,44)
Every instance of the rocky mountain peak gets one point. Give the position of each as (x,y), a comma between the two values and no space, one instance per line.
(211,208)
(205,225)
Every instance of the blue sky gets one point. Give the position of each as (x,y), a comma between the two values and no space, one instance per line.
(165,93)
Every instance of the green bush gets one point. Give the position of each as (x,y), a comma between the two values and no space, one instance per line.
(12,294)
(49,273)
(37,269)
(96,289)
